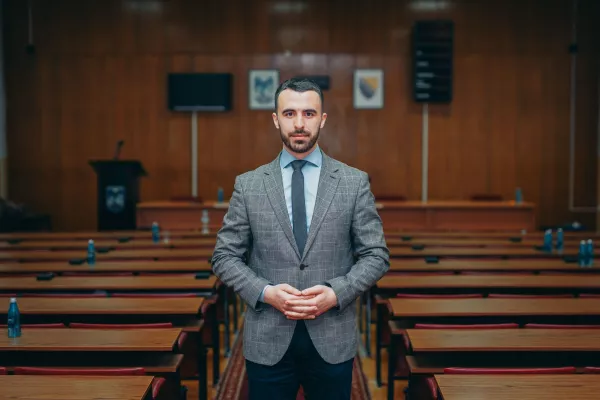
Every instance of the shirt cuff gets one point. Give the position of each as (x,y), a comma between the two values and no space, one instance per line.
(262,294)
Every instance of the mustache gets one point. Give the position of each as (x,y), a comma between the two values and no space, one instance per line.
(299,132)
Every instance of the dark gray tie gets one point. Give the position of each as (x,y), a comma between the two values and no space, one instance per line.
(299,205)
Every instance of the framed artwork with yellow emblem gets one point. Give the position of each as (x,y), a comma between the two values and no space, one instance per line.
(368,88)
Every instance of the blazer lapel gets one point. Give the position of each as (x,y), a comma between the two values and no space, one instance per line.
(328,182)
(274,186)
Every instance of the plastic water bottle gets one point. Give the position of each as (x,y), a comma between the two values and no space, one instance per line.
(589,255)
(205,221)
(91,253)
(14,319)
(220,195)
(155,232)
(560,239)
(581,256)
(548,240)
(518,196)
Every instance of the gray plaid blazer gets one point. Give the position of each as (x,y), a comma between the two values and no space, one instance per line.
(345,250)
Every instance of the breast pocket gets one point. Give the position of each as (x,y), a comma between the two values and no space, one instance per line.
(337,213)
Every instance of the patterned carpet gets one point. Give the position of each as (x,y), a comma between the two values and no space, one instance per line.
(234,384)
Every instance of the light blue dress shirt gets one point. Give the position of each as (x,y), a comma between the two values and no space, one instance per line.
(311,172)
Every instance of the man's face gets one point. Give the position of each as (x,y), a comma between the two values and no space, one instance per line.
(299,118)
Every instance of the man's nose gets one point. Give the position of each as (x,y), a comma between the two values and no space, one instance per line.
(299,122)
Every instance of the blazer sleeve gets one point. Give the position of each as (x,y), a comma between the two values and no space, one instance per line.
(368,241)
(234,241)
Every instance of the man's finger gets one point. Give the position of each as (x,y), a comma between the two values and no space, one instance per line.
(301,302)
(302,309)
(314,291)
(289,289)
(297,315)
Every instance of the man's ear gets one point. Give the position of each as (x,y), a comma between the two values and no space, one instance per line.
(323,118)
(275,120)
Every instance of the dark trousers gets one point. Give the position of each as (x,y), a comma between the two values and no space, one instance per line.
(301,365)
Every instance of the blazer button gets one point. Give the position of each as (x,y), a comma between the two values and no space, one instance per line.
(302,266)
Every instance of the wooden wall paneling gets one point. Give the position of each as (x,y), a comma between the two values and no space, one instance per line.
(99,75)
(177,135)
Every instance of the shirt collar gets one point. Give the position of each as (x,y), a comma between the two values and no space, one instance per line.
(315,158)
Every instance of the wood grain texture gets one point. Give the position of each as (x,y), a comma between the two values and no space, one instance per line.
(112,306)
(99,75)
(490,281)
(33,339)
(408,308)
(131,283)
(534,340)
(26,387)
(524,387)
(188,267)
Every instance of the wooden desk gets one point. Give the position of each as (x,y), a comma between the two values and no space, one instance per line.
(110,266)
(503,340)
(415,235)
(178,214)
(184,313)
(466,252)
(167,306)
(92,340)
(457,215)
(131,283)
(85,346)
(532,265)
(106,235)
(441,308)
(149,254)
(472,243)
(79,244)
(406,215)
(15,387)
(486,283)
(522,387)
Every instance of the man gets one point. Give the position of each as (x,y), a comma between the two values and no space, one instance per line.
(300,242)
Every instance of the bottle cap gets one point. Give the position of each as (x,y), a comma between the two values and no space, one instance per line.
(90,241)
(589,241)
(13,299)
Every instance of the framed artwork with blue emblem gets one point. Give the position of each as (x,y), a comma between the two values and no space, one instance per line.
(261,90)
(368,88)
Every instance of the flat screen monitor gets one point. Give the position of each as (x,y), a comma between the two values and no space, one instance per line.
(208,92)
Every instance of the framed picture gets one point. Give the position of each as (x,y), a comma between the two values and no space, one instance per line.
(261,90)
(368,88)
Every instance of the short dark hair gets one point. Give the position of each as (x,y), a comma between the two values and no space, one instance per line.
(299,85)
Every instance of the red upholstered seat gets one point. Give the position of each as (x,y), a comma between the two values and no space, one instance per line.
(151,295)
(509,325)
(489,371)
(65,295)
(560,326)
(529,296)
(80,325)
(438,296)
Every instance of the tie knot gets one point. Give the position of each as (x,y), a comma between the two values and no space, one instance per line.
(298,164)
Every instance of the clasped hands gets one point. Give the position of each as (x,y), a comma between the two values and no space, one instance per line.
(305,304)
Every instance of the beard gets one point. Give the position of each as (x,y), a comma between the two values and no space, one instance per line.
(300,145)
